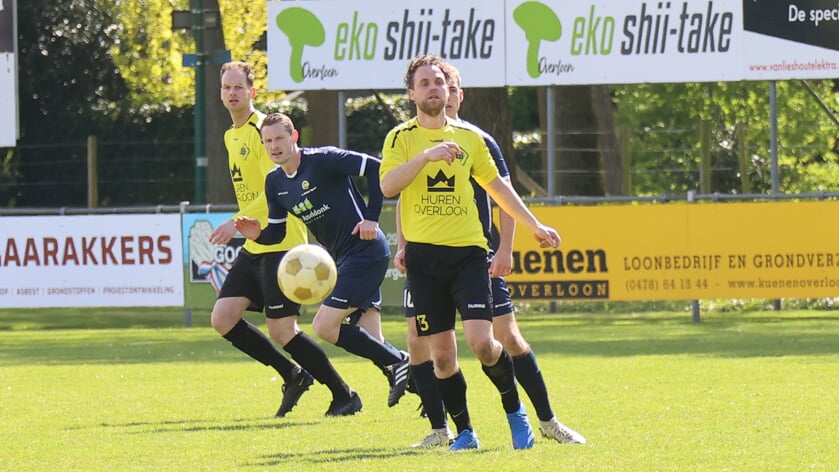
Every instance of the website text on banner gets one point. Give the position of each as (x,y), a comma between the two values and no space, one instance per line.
(91,260)
(682,252)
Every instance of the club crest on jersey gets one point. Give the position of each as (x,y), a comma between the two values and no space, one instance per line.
(462,157)
(244,151)
(305,185)
(440,182)
(236,173)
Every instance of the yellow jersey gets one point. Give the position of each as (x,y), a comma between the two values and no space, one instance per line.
(249,164)
(438,206)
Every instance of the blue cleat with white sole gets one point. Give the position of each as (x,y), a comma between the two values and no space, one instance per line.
(465,440)
(520,428)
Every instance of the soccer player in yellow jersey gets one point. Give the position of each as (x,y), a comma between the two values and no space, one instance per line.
(428,161)
(251,283)
(504,325)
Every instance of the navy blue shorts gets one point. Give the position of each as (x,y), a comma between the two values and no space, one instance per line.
(360,275)
(254,276)
(445,280)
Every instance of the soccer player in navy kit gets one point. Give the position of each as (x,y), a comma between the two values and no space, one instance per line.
(428,161)
(504,323)
(251,283)
(315,185)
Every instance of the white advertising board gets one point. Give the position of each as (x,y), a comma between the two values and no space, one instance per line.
(91,260)
(354,45)
(8,75)
(367,45)
(561,42)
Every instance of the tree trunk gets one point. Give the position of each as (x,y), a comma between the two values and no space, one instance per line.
(489,108)
(322,118)
(610,150)
(217,119)
(578,161)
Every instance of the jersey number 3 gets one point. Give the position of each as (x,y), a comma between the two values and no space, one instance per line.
(422,323)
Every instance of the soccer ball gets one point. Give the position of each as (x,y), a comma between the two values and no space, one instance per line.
(307,274)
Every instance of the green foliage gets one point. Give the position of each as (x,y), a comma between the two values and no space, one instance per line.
(662,120)
(524,110)
(370,118)
(148,53)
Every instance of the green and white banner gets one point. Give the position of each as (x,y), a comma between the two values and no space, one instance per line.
(367,45)
(362,45)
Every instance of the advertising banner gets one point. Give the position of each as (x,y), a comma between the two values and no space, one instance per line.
(561,42)
(790,39)
(682,252)
(205,265)
(361,45)
(8,75)
(91,260)
(352,45)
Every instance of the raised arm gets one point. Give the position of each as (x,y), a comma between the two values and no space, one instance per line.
(400,177)
(509,201)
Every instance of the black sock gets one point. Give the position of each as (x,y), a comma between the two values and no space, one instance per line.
(453,392)
(504,379)
(253,342)
(358,341)
(311,357)
(531,380)
(422,376)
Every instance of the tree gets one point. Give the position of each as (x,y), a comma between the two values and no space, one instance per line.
(489,108)
(663,122)
(578,163)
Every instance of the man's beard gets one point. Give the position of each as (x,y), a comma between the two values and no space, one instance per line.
(431,110)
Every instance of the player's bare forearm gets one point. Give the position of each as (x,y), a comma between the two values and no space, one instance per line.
(509,201)
(399,255)
(224,233)
(400,177)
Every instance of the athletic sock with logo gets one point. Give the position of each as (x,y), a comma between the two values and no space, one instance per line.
(504,379)
(453,392)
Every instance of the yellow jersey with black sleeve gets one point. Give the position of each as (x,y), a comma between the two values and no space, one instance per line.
(249,164)
(438,206)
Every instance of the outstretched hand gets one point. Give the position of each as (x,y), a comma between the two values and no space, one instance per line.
(249,227)
(547,236)
(224,233)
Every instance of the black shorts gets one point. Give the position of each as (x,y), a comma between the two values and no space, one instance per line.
(254,276)
(445,280)
(502,302)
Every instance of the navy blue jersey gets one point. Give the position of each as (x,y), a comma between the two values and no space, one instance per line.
(482,199)
(323,195)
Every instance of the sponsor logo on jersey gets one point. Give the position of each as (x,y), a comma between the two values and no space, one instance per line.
(440,182)
(236,173)
(302,207)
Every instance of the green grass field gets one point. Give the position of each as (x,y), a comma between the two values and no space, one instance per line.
(127,389)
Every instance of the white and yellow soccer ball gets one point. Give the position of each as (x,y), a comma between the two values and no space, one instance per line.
(307,274)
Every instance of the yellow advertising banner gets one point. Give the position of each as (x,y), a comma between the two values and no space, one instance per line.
(681,251)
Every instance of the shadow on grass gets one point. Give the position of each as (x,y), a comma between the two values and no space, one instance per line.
(337,456)
(197,426)
(582,335)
